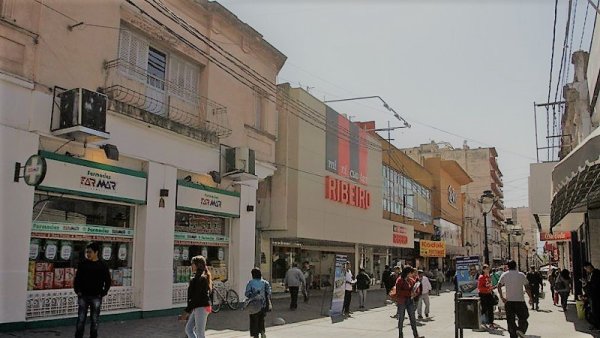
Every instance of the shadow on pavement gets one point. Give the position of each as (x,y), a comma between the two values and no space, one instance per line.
(581,325)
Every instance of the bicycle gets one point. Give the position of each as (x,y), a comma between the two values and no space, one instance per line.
(221,294)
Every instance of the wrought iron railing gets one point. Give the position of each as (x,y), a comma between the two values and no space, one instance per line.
(136,93)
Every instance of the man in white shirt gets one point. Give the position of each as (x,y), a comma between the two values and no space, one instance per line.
(426,285)
(348,289)
(514,302)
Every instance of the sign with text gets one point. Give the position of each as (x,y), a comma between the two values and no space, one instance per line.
(347,193)
(466,273)
(80,232)
(403,236)
(91,179)
(346,151)
(556,236)
(198,198)
(432,248)
(339,288)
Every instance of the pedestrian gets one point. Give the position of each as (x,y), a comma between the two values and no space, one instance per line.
(486,295)
(592,291)
(92,282)
(386,277)
(363,282)
(439,278)
(563,287)
(258,287)
(198,303)
(495,275)
(405,302)
(551,281)
(308,280)
(424,298)
(349,282)
(536,283)
(394,278)
(514,302)
(294,280)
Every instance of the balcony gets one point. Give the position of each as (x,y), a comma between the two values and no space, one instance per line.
(496,178)
(498,214)
(497,191)
(134,92)
(494,165)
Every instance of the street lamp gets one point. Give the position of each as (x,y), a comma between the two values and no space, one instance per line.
(487,203)
(526,256)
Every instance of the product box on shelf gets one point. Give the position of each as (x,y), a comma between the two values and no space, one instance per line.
(117,277)
(69,277)
(59,278)
(48,280)
(38,283)
(31,276)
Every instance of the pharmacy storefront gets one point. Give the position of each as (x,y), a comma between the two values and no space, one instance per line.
(79,201)
(202,227)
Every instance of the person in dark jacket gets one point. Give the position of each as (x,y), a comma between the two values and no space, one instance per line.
(92,282)
(592,292)
(198,304)
(386,277)
(257,286)
(535,282)
(363,282)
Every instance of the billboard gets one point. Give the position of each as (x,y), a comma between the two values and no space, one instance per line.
(346,151)
(432,248)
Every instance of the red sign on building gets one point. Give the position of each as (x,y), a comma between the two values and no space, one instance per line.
(557,236)
(347,193)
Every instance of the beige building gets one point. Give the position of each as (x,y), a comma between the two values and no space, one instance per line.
(524,244)
(143,135)
(482,166)
(327,195)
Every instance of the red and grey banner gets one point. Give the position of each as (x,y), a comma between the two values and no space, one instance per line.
(346,147)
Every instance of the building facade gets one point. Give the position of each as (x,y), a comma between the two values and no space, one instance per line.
(482,166)
(326,195)
(129,112)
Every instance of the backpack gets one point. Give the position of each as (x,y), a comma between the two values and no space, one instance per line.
(255,303)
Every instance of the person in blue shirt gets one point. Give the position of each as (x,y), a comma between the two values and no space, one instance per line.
(258,286)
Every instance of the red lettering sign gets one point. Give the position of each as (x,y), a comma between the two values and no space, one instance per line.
(557,236)
(346,193)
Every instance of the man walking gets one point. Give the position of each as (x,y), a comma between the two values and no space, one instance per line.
(424,298)
(514,302)
(349,281)
(386,276)
(308,279)
(592,290)
(92,282)
(535,282)
(294,279)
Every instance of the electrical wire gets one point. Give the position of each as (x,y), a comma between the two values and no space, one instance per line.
(587,7)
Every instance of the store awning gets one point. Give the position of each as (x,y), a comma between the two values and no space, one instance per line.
(576,179)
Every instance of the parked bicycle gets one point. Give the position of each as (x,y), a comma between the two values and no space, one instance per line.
(222,294)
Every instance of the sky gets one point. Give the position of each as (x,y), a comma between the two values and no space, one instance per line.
(456,70)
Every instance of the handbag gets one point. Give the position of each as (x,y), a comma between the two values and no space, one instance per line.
(253,304)
(542,295)
(496,299)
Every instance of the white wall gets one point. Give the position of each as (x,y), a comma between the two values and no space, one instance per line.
(16,202)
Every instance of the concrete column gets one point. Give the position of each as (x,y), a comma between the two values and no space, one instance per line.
(154,236)
(242,238)
(16,203)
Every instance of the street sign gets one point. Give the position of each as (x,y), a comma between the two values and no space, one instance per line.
(35,170)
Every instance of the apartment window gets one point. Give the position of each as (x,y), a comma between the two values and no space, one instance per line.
(259,109)
(157,68)
(184,76)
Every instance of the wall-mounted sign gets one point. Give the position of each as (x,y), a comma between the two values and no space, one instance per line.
(346,193)
(346,152)
(51,250)
(34,248)
(556,236)
(66,248)
(91,179)
(68,231)
(432,248)
(403,236)
(198,198)
(452,196)
(35,170)
(122,253)
(185,238)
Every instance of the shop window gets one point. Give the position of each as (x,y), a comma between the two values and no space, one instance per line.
(202,224)
(216,258)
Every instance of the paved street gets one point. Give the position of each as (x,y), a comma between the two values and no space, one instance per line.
(306,322)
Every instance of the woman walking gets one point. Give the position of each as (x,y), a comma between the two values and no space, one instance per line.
(261,289)
(405,301)
(551,281)
(198,305)
(485,288)
(563,287)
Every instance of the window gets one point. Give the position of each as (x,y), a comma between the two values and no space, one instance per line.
(260,122)
(157,68)
(184,76)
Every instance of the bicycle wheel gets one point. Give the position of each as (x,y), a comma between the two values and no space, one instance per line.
(215,301)
(233,300)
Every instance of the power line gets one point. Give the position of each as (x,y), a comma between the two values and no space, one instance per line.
(587,7)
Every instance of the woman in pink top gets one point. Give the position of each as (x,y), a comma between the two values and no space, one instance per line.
(485,288)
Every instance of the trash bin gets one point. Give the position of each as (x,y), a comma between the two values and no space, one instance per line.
(580,309)
(468,313)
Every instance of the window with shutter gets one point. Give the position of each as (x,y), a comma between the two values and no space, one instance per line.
(259,110)
(184,76)
(133,55)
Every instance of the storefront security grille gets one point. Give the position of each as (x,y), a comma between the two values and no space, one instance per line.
(52,303)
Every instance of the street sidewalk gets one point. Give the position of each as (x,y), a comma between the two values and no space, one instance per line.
(374,322)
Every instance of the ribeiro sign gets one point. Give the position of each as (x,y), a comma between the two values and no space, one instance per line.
(346,193)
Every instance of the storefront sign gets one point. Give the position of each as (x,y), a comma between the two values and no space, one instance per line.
(106,252)
(66,248)
(346,193)
(195,239)
(466,281)
(432,248)
(91,179)
(122,253)
(34,248)
(51,250)
(403,235)
(346,152)
(556,236)
(198,198)
(339,284)
(83,232)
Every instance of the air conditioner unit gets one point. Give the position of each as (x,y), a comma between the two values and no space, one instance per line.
(239,160)
(81,115)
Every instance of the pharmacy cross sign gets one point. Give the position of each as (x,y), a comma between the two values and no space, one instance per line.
(35,170)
